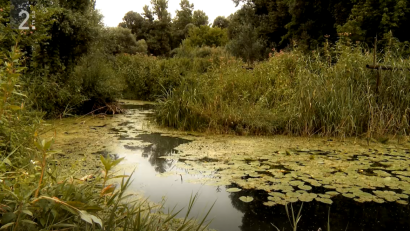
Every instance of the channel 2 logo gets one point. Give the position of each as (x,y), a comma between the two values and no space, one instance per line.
(21,15)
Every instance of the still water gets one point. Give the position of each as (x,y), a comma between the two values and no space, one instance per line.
(158,177)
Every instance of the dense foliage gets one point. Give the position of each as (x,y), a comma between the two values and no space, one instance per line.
(282,22)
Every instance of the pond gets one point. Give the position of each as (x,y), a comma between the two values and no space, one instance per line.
(345,183)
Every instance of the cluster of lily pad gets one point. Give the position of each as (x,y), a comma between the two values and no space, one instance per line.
(294,175)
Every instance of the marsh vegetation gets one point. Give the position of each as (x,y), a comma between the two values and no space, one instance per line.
(271,107)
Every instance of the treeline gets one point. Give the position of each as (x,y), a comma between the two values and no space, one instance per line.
(162,33)
(262,25)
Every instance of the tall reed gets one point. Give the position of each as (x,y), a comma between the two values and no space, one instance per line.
(295,93)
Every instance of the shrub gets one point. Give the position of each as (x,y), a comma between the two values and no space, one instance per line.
(99,83)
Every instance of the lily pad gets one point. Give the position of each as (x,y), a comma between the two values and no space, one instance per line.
(305,187)
(403,196)
(277,194)
(332,193)
(378,200)
(269,203)
(349,195)
(234,190)
(246,199)
(324,200)
(324,195)
(292,199)
(403,202)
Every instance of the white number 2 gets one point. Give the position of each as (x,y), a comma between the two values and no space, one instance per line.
(22,27)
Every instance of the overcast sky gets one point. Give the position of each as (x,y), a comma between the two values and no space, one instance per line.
(114,10)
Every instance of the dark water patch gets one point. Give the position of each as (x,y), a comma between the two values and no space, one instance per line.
(117,130)
(344,213)
(143,107)
(125,138)
(207,159)
(101,126)
(379,165)
(126,123)
(132,148)
(106,154)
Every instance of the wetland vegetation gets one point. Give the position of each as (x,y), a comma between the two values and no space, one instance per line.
(280,119)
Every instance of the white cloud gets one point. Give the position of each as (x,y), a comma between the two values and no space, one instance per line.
(114,10)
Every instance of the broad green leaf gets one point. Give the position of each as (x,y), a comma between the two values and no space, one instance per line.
(85,216)
(15,107)
(20,94)
(76,204)
(38,144)
(63,225)
(29,222)
(93,208)
(105,163)
(7,161)
(28,212)
(246,199)
(116,162)
(8,217)
(48,144)
(7,225)
(97,220)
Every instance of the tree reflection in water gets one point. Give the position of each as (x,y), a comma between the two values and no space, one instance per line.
(160,146)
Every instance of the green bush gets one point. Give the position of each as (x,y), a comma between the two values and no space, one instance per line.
(149,78)
(99,84)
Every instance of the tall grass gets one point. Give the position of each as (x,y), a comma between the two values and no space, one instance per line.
(295,93)
(147,77)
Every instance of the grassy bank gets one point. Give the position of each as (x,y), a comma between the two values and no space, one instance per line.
(327,92)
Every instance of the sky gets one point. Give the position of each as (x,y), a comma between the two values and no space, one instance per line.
(114,10)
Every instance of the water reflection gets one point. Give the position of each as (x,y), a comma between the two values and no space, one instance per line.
(344,214)
(160,146)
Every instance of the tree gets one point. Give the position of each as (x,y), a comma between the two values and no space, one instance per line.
(200,18)
(159,35)
(183,16)
(369,18)
(182,19)
(142,46)
(153,26)
(117,40)
(221,22)
(207,36)
(161,10)
(136,23)
(246,44)
(70,29)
